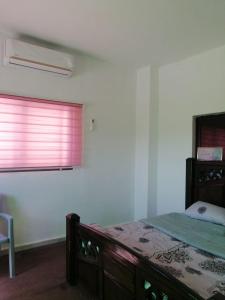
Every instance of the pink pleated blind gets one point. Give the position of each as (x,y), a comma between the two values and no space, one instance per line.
(39,134)
(212,137)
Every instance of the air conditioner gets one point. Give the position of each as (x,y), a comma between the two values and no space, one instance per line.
(27,55)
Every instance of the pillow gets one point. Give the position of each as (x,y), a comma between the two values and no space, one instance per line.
(207,212)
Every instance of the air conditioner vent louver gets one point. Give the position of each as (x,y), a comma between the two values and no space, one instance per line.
(35,57)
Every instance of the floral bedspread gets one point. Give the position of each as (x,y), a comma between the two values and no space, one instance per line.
(201,271)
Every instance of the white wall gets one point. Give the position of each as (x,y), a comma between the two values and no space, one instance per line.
(102,189)
(145,194)
(153,143)
(187,88)
(143,92)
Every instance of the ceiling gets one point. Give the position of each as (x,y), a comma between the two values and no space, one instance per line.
(134,32)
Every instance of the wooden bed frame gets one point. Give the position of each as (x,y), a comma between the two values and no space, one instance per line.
(112,271)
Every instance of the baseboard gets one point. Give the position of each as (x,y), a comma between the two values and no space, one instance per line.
(36,244)
(39,243)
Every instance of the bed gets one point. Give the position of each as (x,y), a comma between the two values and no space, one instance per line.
(115,263)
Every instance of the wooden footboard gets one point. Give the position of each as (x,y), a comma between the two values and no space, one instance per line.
(112,271)
(94,259)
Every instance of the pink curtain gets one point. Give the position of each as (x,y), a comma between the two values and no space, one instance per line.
(37,133)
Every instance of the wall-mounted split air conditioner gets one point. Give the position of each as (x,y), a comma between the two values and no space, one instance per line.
(35,57)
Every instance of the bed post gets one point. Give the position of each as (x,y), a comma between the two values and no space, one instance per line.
(189,182)
(72,225)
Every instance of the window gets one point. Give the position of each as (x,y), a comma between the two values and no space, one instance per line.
(210,131)
(39,134)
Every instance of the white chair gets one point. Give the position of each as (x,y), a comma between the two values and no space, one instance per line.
(9,239)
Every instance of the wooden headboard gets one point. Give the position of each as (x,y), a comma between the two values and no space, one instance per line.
(205,181)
